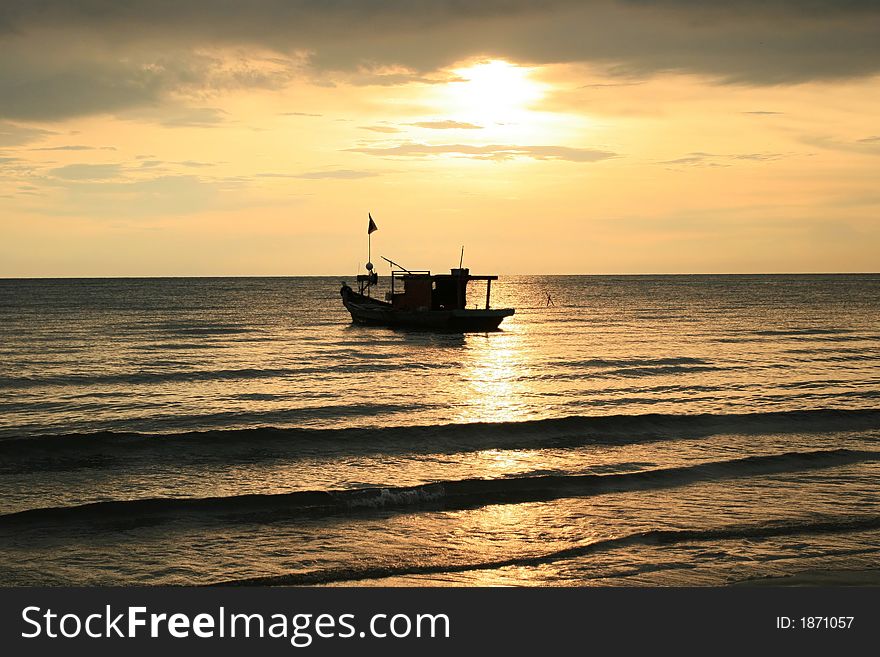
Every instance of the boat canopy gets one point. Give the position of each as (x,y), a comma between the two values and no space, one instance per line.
(422,290)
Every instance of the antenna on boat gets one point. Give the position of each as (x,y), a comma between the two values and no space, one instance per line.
(461,259)
(394,264)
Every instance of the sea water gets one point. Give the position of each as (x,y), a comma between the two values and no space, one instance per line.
(634,430)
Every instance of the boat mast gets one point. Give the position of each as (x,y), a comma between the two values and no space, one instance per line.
(371,228)
(371,278)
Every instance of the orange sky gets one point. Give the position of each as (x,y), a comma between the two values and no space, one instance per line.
(135,147)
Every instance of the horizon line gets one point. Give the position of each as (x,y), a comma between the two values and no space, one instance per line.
(210,276)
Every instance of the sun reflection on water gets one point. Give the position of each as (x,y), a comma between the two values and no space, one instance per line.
(492,373)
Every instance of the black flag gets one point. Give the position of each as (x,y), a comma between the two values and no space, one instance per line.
(372,225)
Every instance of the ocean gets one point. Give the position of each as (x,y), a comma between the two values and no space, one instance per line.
(639,431)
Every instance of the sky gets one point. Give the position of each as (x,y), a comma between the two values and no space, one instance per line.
(213,137)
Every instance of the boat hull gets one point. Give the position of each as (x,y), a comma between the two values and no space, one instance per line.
(372,312)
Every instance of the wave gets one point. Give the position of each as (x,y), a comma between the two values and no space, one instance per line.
(626,372)
(811,337)
(571,431)
(126,444)
(630,362)
(177,346)
(184,376)
(804,331)
(448,495)
(664,370)
(647,538)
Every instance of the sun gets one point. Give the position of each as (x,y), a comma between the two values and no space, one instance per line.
(491,102)
(492,92)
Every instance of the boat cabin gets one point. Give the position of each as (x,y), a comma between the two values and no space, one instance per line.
(421,290)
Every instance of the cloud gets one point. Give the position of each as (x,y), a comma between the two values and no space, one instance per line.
(380,128)
(36,89)
(66,72)
(762,112)
(338,174)
(605,85)
(299,114)
(61,58)
(12,134)
(15,169)
(489,152)
(386,76)
(865,145)
(194,117)
(446,125)
(75,147)
(701,159)
(163,195)
(174,115)
(192,164)
(818,9)
(694,159)
(343,174)
(763,157)
(87,171)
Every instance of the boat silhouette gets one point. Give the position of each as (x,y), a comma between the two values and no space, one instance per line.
(420,299)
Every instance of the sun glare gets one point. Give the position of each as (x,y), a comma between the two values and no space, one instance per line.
(492,92)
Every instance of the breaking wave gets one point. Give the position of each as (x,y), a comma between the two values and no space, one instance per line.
(647,538)
(448,495)
(45,452)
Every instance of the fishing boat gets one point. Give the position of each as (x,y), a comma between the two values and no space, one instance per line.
(420,299)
